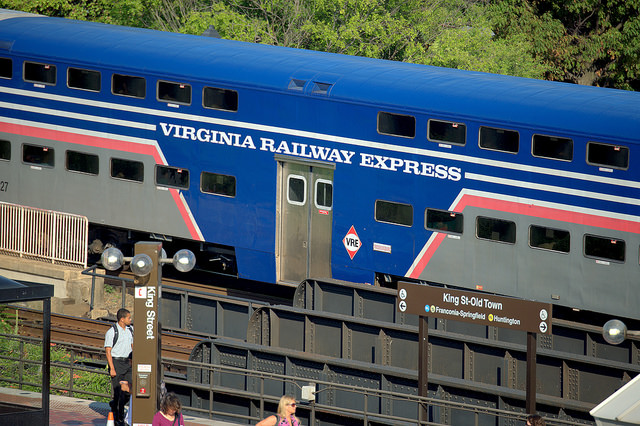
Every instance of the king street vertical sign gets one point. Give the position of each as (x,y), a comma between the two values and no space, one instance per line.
(475,307)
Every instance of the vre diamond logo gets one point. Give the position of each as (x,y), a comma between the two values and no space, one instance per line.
(351,242)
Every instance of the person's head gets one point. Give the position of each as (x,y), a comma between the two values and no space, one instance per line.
(124,316)
(170,404)
(535,420)
(287,406)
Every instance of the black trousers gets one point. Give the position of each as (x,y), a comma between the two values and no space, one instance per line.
(120,397)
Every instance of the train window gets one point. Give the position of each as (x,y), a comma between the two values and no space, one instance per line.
(396,124)
(552,147)
(216,98)
(214,183)
(443,221)
(549,239)
(499,139)
(321,88)
(296,190)
(396,213)
(83,79)
(604,248)
(172,176)
(6,68)
(488,228)
(127,169)
(602,154)
(82,162)
(296,84)
(447,132)
(174,92)
(126,85)
(40,73)
(5,150)
(41,155)
(324,194)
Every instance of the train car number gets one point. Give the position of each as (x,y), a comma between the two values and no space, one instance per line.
(4,186)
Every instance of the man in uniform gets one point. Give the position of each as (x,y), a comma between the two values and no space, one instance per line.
(118,343)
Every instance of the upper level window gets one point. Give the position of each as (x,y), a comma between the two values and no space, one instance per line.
(503,231)
(324,194)
(5,150)
(172,176)
(126,85)
(444,221)
(602,154)
(549,239)
(6,68)
(214,183)
(396,124)
(499,139)
(127,169)
(83,79)
(396,213)
(604,248)
(552,147)
(82,162)
(216,98)
(39,73)
(41,155)
(447,132)
(174,92)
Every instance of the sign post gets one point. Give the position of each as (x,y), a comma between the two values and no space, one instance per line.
(146,338)
(478,308)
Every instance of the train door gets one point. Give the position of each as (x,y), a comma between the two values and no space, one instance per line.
(305,217)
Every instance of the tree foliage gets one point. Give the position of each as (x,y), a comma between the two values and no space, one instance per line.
(581,41)
(592,42)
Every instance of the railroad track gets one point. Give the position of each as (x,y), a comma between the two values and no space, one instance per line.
(86,336)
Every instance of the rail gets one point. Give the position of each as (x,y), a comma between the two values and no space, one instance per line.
(60,238)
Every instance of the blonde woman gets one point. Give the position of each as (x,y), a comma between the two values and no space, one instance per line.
(286,414)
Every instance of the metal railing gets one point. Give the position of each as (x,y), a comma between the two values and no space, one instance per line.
(260,399)
(21,361)
(43,234)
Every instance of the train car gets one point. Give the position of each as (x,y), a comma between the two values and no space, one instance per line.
(280,164)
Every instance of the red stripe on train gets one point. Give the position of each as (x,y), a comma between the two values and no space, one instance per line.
(526,210)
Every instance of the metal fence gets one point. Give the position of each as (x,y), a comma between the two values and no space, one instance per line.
(43,234)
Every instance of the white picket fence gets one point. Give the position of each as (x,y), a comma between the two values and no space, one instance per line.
(43,234)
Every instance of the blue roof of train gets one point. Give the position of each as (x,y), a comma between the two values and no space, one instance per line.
(395,84)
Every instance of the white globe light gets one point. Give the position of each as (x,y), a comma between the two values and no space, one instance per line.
(614,332)
(112,259)
(141,265)
(184,260)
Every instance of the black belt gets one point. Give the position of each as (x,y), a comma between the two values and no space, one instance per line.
(120,359)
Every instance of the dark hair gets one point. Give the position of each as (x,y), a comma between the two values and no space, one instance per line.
(535,420)
(122,312)
(170,401)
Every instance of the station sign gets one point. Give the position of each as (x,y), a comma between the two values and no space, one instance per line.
(475,307)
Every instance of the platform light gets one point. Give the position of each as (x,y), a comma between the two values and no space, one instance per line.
(112,259)
(184,260)
(141,265)
(615,332)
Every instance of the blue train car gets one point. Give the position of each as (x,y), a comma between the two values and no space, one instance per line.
(282,164)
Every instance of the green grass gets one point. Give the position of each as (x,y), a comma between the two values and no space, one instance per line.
(21,365)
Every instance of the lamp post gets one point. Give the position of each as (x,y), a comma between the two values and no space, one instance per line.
(146,266)
(615,332)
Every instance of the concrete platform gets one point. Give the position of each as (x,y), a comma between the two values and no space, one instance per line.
(65,411)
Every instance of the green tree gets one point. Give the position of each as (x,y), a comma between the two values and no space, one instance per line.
(592,42)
